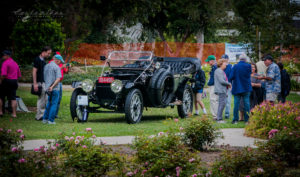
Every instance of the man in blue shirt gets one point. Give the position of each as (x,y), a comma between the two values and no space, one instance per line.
(273,79)
(240,77)
(229,94)
(213,98)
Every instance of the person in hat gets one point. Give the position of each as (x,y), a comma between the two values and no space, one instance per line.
(213,98)
(240,77)
(52,76)
(64,69)
(10,73)
(229,94)
(273,79)
(38,81)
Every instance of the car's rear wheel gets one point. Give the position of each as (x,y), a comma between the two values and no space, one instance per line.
(77,111)
(186,96)
(134,106)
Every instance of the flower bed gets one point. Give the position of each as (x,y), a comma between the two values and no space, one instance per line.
(266,117)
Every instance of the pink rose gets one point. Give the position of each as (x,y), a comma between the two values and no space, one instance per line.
(22,160)
(73,133)
(36,149)
(180,128)
(94,136)
(14,149)
(57,145)
(144,171)
(191,160)
(176,120)
(53,148)
(160,133)
(71,138)
(76,141)
(22,136)
(163,170)
(84,146)
(67,138)
(1,129)
(19,131)
(194,175)
(78,137)
(88,129)
(260,170)
(129,174)
(9,130)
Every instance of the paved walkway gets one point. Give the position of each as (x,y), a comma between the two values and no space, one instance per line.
(232,136)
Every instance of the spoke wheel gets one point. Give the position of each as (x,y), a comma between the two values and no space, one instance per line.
(186,108)
(75,109)
(134,106)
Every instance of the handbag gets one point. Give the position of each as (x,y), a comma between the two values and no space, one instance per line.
(39,92)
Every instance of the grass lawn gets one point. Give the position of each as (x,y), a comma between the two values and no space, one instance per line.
(153,121)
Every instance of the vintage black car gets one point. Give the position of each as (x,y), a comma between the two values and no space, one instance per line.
(132,80)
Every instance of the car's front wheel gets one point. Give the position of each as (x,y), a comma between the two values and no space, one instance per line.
(77,110)
(186,96)
(134,106)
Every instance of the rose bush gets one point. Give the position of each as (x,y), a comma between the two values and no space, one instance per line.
(266,117)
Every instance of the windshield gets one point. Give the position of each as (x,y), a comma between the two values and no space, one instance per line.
(129,59)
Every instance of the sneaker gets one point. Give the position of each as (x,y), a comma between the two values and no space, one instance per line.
(45,121)
(40,119)
(221,121)
(49,122)
(234,122)
(196,114)
(226,117)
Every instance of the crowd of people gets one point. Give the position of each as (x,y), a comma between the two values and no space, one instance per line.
(250,83)
(47,84)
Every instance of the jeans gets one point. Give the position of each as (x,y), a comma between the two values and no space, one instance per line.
(228,104)
(222,104)
(51,107)
(246,98)
(59,99)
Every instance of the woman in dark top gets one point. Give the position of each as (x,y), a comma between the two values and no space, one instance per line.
(256,96)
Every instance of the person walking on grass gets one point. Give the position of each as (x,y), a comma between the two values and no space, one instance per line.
(273,79)
(240,77)
(229,94)
(52,76)
(198,90)
(10,73)
(38,81)
(213,98)
(221,88)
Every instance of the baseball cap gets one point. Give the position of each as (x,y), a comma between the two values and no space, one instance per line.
(225,57)
(209,58)
(59,57)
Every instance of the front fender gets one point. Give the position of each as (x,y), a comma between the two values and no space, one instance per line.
(76,84)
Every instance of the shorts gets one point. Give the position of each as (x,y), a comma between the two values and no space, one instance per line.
(271,96)
(200,91)
(9,87)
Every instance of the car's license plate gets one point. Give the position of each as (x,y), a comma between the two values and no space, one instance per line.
(82,100)
(106,80)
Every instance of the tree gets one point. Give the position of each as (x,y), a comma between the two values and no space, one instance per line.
(179,19)
(267,22)
(30,37)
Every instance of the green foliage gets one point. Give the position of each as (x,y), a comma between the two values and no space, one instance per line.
(164,154)
(295,85)
(200,134)
(284,146)
(30,37)
(277,157)
(247,162)
(272,18)
(266,117)
(292,67)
